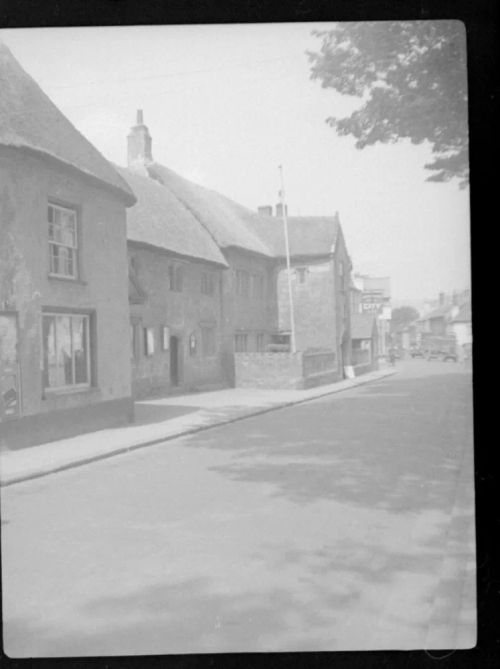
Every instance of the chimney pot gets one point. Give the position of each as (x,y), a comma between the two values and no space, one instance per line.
(139,143)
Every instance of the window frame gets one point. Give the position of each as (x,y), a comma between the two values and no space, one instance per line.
(135,343)
(52,243)
(149,344)
(207,283)
(164,338)
(176,277)
(89,361)
(240,336)
(242,283)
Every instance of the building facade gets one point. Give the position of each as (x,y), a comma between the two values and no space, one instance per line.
(175,287)
(320,278)
(63,273)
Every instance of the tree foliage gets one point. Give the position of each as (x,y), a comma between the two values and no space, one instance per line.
(411,77)
(402,316)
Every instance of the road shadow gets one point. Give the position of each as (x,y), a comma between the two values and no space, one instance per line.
(186,617)
(398,452)
(305,611)
(146,414)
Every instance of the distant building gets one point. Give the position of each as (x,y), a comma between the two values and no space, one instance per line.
(365,347)
(376,299)
(461,325)
(64,316)
(438,320)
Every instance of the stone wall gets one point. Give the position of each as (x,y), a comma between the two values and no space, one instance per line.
(285,370)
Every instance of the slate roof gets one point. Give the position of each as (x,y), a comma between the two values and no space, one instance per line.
(229,223)
(159,219)
(307,235)
(464,315)
(362,326)
(30,120)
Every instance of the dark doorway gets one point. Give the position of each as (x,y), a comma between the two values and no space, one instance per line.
(174,361)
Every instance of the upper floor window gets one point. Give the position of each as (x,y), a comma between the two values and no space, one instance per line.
(175,278)
(257,286)
(301,273)
(341,275)
(63,241)
(207,283)
(242,283)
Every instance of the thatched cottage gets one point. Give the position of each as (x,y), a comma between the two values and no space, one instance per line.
(64,315)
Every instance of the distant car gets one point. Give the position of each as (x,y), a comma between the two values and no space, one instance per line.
(416,352)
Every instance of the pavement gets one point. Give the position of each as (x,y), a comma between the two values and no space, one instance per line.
(343,523)
(160,420)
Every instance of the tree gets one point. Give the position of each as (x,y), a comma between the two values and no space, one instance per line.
(402,316)
(411,77)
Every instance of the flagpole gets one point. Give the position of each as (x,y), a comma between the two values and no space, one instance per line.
(287,251)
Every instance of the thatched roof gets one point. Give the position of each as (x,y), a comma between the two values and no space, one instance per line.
(362,326)
(307,235)
(160,219)
(29,120)
(227,222)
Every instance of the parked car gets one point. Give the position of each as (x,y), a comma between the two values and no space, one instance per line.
(442,348)
(416,351)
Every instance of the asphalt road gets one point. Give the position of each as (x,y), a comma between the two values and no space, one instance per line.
(343,523)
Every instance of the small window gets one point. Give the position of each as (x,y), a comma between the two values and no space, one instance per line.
(208,341)
(242,283)
(241,343)
(193,344)
(341,275)
(207,283)
(135,334)
(63,241)
(301,273)
(175,278)
(165,337)
(261,342)
(257,284)
(66,350)
(149,341)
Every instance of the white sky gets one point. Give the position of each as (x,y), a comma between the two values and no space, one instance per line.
(226,105)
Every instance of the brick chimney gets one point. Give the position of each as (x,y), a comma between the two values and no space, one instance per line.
(279,210)
(265,210)
(139,143)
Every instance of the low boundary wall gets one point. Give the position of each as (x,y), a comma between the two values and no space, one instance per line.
(304,369)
